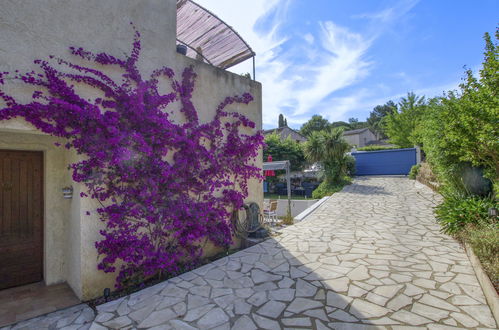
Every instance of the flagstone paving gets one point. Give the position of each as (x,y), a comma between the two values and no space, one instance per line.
(371,257)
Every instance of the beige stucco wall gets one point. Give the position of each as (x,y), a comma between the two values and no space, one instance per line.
(34,29)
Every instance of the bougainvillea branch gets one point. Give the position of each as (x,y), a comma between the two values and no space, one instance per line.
(164,186)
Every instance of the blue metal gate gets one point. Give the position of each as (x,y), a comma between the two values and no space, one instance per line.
(385,162)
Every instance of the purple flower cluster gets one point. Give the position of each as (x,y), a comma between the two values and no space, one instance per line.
(165,188)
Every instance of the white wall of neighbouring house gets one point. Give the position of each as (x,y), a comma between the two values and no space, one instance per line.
(353,139)
(360,139)
(36,29)
(366,137)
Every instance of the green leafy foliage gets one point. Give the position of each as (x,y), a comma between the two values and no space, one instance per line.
(318,123)
(460,129)
(288,219)
(341,125)
(400,125)
(376,148)
(414,171)
(459,135)
(350,165)
(327,189)
(286,149)
(354,123)
(457,211)
(283,122)
(315,124)
(329,147)
(375,120)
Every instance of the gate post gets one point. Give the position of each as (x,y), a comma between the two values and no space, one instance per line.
(418,154)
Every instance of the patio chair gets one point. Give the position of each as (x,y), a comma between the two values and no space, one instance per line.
(270,213)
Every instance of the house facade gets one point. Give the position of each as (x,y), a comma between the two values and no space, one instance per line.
(359,137)
(285,132)
(38,194)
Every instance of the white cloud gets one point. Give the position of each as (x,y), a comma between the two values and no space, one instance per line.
(343,105)
(341,64)
(243,15)
(300,78)
(309,38)
(389,15)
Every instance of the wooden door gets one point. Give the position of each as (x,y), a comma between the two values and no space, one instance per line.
(21,217)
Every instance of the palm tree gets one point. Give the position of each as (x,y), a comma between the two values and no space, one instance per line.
(328,147)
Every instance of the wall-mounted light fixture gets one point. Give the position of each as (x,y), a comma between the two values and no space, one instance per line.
(182,49)
(67,192)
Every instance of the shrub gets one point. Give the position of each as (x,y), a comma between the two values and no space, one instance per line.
(288,220)
(458,211)
(376,148)
(414,171)
(327,189)
(350,165)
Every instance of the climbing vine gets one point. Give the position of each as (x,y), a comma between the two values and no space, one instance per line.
(164,187)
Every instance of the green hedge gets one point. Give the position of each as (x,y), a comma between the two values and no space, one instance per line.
(414,171)
(376,148)
(327,189)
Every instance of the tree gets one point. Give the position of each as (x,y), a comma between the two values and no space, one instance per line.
(462,127)
(400,125)
(341,124)
(286,149)
(354,123)
(376,116)
(476,122)
(315,124)
(329,147)
(282,122)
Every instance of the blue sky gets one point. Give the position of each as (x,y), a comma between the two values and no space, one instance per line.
(341,58)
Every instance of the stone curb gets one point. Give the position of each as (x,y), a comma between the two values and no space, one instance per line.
(488,289)
(310,209)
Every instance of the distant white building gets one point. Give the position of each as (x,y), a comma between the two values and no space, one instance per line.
(284,132)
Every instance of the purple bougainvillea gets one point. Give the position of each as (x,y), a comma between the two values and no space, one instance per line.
(164,187)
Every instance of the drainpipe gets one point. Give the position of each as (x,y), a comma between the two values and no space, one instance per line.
(254,77)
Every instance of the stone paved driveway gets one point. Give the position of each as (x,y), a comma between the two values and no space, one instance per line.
(371,257)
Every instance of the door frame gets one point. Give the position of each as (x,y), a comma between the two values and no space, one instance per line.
(42,206)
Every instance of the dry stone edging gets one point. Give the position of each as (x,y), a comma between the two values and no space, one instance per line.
(488,288)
